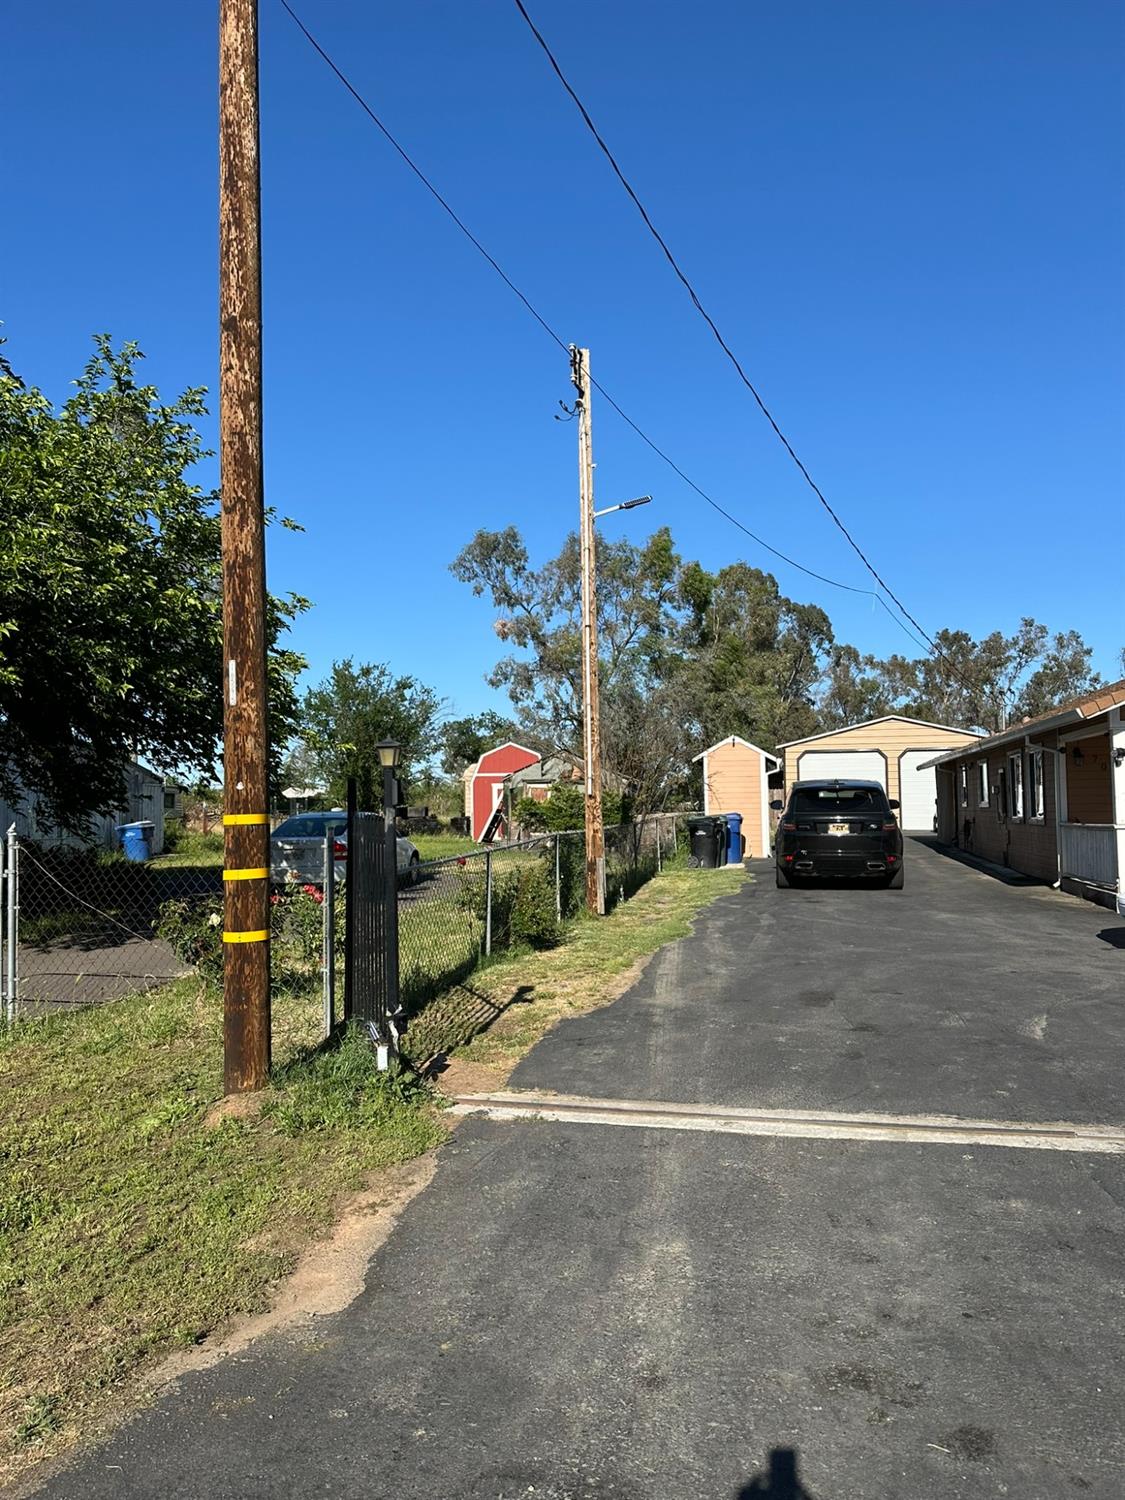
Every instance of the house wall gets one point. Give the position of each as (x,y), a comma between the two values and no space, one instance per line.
(891,738)
(1089,793)
(987,830)
(144,802)
(733,782)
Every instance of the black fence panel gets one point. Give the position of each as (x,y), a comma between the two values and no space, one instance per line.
(366,991)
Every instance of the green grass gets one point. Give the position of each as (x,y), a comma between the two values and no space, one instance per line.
(186,848)
(127,1226)
(443,845)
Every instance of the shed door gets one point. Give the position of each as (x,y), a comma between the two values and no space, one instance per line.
(918,791)
(846,765)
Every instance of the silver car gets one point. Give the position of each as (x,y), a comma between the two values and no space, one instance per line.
(297,850)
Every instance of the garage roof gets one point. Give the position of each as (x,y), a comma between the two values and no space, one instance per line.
(885,719)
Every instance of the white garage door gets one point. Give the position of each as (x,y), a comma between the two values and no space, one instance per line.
(919,791)
(847,765)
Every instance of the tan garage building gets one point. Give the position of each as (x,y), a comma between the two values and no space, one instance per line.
(890,750)
(736,779)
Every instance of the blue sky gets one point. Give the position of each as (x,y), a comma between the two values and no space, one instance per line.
(907,217)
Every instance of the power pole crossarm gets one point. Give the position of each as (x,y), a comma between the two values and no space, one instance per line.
(591,725)
(246,970)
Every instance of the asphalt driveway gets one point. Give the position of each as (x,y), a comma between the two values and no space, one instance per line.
(576,1310)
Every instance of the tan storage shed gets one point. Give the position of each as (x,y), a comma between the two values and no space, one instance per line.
(891,750)
(736,779)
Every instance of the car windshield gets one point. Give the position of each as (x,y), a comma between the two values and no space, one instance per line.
(838,799)
(314,826)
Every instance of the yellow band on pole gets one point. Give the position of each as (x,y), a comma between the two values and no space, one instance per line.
(246,874)
(246,937)
(230,819)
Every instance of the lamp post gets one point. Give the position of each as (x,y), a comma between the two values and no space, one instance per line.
(390,757)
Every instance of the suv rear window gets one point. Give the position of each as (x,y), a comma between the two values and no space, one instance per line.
(838,799)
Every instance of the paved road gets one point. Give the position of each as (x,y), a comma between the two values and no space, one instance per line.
(590,1311)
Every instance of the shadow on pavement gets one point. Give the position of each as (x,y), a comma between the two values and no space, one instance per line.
(780,1481)
(1114,936)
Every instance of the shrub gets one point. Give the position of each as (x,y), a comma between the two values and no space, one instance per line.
(534,918)
(193,929)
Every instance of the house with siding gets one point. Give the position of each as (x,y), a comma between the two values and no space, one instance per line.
(143,791)
(1045,797)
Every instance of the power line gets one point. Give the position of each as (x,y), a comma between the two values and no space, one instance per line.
(542,321)
(726,348)
(557,338)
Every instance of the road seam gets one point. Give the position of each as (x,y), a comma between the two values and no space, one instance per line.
(945,1130)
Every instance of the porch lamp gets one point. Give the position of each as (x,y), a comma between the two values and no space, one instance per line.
(389,753)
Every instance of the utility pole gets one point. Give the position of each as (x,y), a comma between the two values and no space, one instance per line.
(591,724)
(246,970)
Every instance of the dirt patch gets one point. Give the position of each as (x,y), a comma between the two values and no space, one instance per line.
(234,1107)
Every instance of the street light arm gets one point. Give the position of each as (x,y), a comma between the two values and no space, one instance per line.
(625,505)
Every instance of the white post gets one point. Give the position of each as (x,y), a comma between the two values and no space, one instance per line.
(12,912)
(558,880)
(1117,785)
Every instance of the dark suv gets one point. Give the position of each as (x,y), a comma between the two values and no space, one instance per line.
(844,829)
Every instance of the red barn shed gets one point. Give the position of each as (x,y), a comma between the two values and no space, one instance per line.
(486,785)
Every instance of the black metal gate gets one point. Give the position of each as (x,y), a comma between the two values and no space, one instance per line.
(370,925)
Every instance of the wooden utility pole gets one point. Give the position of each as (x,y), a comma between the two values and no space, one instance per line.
(246,971)
(591,723)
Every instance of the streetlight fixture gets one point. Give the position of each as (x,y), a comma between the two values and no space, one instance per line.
(389,753)
(625,505)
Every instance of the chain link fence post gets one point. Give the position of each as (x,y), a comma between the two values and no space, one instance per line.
(558,879)
(12,923)
(488,901)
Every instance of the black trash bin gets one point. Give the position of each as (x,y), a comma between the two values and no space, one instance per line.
(701,833)
(722,836)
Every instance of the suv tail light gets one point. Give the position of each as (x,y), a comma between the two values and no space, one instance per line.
(339,849)
(789,828)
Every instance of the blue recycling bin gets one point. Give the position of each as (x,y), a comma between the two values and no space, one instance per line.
(734,846)
(136,841)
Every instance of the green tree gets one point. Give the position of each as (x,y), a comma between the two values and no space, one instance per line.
(346,716)
(751,659)
(110,592)
(464,741)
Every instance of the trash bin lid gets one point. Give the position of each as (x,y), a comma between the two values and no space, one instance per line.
(142,827)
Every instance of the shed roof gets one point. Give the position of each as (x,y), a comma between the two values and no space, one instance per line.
(1088,705)
(883,719)
(736,739)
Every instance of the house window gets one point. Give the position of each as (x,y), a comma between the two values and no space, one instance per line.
(982,783)
(169,801)
(1015,786)
(964,786)
(1035,784)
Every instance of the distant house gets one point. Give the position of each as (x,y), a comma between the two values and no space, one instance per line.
(299,799)
(485,787)
(736,780)
(1046,797)
(144,803)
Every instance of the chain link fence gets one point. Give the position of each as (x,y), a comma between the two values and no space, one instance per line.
(91,928)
